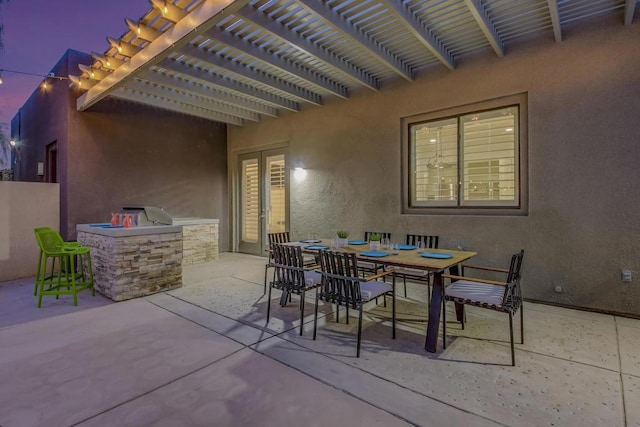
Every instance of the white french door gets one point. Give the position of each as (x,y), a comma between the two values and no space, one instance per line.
(263,199)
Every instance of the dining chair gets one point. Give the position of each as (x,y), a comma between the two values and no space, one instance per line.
(291,276)
(341,285)
(428,242)
(281,237)
(505,297)
(63,269)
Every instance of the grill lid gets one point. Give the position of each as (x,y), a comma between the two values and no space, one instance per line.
(154,214)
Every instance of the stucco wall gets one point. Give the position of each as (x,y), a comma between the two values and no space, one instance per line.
(584,132)
(127,154)
(122,154)
(23,207)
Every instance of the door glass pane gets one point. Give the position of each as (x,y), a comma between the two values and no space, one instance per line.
(275,197)
(250,203)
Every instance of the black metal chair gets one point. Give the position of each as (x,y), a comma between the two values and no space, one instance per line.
(291,276)
(282,237)
(505,296)
(342,286)
(429,242)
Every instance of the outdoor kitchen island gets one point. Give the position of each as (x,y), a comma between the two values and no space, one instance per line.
(138,261)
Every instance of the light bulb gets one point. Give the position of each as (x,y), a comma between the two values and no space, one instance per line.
(1,79)
(44,85)
(108,63)
(119,48)
(139,30)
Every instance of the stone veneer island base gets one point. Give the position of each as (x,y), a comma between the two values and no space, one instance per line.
(134,262)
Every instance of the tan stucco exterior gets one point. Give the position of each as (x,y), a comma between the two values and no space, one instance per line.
(23,207)
(583,222)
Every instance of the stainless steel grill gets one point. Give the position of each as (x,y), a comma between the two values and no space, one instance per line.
(149,215)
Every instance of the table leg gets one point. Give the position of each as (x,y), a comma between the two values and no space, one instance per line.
(284,298)
(453,270)
(431,342)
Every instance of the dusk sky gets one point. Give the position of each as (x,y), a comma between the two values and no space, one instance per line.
(38,32)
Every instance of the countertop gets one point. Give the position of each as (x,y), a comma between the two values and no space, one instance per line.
(145,230)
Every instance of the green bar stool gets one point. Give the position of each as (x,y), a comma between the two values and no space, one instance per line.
(63,269)
(53,234)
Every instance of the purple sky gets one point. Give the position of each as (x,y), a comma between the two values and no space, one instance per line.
(38,32)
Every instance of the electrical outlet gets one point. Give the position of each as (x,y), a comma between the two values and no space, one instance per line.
(626,275)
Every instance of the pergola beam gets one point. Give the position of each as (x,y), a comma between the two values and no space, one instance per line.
(167,104)
(307,47)
(142,31)
(123,48)
(629,10)
(555,19)
(281,64)
(477,9)
(256,77)
(200,87)
(200,20)
(230,85)
(420,31)
(151,88)
(332,18)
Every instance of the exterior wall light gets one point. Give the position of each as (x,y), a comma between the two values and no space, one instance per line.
(299,174)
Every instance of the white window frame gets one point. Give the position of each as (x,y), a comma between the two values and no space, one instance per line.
(519,206)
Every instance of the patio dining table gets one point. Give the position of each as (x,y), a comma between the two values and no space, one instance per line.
(412,259)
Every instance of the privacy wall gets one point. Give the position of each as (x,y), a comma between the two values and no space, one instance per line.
(583,221)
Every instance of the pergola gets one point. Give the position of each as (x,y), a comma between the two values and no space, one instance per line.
(233,61)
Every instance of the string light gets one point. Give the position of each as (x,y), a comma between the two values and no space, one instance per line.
(47,76)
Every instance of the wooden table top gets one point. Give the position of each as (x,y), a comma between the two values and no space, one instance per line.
(405,258)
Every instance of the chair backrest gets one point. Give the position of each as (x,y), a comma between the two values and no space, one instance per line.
(340,281)
(383,235)
(49,240)
(512,293)
(289,267)
(282,237)
(430,242)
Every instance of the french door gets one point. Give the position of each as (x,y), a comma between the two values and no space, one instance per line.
(263,191)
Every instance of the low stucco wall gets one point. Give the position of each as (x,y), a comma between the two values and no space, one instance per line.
(23,207)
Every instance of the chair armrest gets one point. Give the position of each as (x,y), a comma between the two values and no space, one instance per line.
(311,267)
(480,267)
(473,279)
(379,275)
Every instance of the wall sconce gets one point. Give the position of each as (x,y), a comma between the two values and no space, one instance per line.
(299,173)
(12,143)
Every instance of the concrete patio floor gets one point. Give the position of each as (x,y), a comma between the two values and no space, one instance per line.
(204,355)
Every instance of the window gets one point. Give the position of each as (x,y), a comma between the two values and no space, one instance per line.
(466,160)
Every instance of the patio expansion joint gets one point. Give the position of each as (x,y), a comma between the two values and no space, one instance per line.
(278,335)
(624,404)
(134,398)
(244,323)
(537,353)
(374,376)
